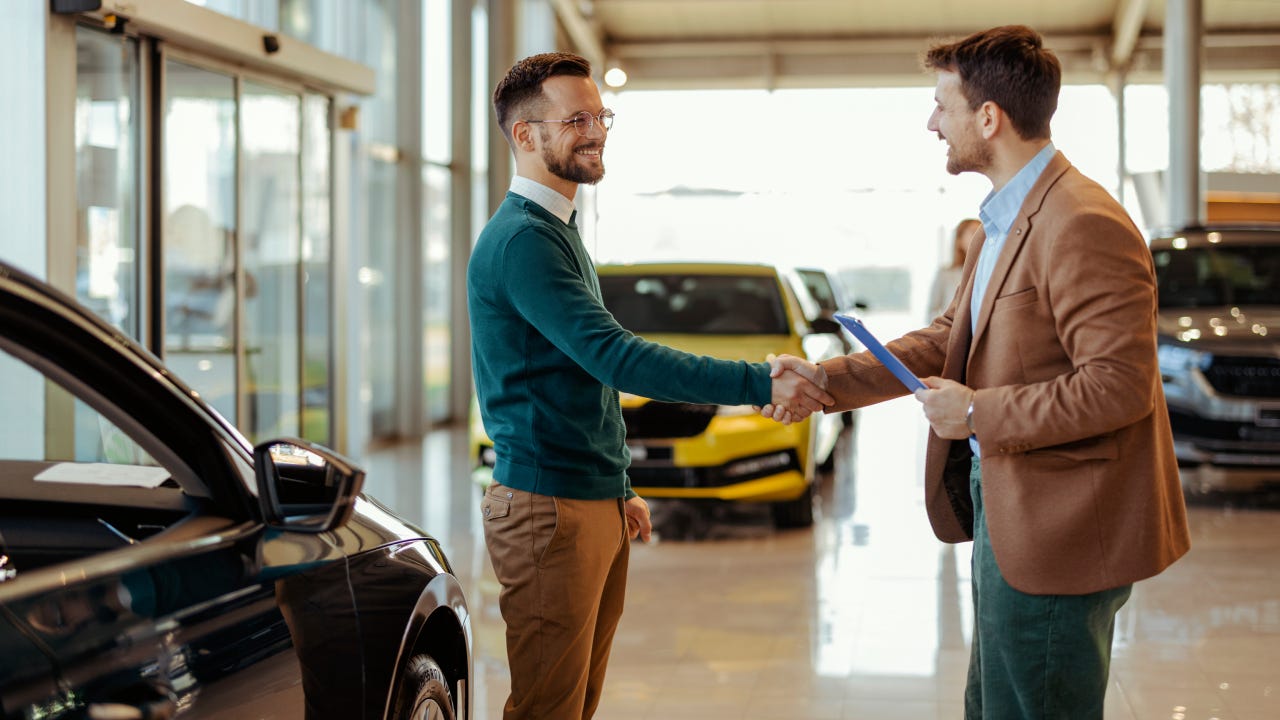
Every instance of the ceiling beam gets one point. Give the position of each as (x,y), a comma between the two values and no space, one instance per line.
(887,62)
(582,31)
(1125,29)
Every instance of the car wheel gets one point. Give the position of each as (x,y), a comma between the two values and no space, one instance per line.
(796,513)
(424,692)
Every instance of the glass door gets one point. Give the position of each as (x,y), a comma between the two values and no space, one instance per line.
(317,276)
(198,231)
(107,179)
(271,131)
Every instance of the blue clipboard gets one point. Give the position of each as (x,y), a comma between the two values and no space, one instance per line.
(881,352)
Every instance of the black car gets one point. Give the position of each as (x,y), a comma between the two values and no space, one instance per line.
(1219,325)
(154,565)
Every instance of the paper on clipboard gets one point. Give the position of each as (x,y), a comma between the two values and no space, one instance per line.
(881,352)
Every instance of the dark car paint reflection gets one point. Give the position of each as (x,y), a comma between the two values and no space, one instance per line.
(227,631)
(158,603)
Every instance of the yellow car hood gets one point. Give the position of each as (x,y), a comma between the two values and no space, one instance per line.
(753,348)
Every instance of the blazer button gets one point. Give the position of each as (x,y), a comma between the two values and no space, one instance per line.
(486,511)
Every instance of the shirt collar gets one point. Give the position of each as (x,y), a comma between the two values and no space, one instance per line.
(550,200)
(1000,208)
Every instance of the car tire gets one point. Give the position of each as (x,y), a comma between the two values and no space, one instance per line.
(424,692)
(796,513)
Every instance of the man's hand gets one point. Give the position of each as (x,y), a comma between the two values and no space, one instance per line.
(799,388)
(946,403)
(638,522)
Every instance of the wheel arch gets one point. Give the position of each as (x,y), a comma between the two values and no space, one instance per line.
(440,626)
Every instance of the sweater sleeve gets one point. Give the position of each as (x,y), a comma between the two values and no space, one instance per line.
(546,288)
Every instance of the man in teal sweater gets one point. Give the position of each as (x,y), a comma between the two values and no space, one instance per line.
(549,360)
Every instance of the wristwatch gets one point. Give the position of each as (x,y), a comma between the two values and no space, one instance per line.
(968,417)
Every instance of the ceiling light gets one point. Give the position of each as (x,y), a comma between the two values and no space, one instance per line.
(615,77)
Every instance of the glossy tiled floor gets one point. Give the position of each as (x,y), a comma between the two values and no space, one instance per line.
(866,615)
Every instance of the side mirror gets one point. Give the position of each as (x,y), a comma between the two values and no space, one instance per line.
(304,487)
(825,325)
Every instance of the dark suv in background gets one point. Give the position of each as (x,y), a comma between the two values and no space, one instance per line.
(1219,324)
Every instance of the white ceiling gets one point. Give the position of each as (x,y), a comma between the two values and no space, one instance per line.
(834,43)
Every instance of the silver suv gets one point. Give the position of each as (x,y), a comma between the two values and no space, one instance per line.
(1219,340)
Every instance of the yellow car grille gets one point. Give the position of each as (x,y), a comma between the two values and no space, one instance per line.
(651,474)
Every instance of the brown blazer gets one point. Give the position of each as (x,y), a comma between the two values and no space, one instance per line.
(1080,486)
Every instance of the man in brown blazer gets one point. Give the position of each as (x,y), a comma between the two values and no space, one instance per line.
(1050,445)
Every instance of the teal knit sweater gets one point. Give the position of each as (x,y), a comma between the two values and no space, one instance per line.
(549,360)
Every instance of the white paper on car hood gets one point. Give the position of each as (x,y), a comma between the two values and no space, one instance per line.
(105,474)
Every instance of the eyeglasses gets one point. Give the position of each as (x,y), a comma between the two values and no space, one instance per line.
(584,121)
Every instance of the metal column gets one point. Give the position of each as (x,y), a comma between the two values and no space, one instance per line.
(1184,183)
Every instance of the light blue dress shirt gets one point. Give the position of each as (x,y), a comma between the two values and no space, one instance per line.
(997,213)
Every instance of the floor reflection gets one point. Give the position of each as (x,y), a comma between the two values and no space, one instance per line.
(865,615)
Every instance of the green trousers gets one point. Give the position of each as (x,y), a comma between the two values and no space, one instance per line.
(1034,657)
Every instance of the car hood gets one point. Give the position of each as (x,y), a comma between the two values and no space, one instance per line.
(1251,330)
(752,348)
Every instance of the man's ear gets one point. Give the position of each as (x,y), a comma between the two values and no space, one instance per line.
(991,119)
(522,136)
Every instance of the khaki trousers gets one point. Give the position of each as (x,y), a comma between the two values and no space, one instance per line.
(562,564)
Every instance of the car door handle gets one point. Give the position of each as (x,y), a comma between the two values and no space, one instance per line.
(162,709)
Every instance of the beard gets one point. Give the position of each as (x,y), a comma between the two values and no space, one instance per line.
(969,156)
(567,168)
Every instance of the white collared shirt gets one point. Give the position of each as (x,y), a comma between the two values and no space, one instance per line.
(550,200)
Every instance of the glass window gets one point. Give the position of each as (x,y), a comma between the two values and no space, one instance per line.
(89,438)
(317,244)
(379,272)
(199,230)
(107,177)
(1239,126)
(271,251)
(436,79)
(483,120)
(436,290)
(21,433)
(377,277)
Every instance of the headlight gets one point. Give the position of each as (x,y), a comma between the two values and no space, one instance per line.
(734,410)
(1180,358)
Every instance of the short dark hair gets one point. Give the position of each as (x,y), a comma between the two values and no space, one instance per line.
(1009,66)
(521,90)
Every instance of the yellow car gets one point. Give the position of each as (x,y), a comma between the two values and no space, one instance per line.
(736,311)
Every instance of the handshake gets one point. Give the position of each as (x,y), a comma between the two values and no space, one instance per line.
(799,389)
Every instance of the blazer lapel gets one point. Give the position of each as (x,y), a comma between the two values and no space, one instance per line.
(1018,233)
(959,341)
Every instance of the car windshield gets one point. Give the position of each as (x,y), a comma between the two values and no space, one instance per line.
(819,287)
(697,304)
(1215,276)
